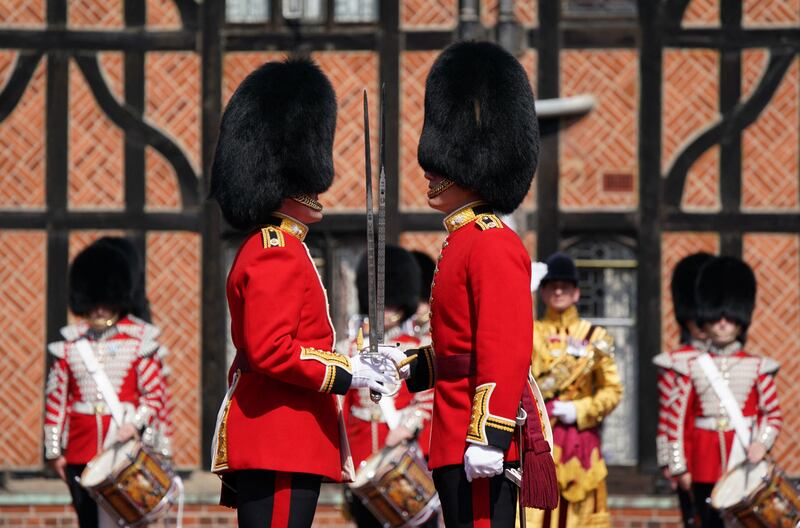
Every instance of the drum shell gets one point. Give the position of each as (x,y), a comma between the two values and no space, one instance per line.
(137,491)
(775,504)
(401,490)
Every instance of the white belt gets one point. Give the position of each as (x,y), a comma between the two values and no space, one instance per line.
(718,423)
(83,407)
(368,414)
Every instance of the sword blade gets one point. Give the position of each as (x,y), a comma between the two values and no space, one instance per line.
(371,279)
(381,261)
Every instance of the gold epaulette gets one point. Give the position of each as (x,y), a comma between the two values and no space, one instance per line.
(488,221)
(272,237)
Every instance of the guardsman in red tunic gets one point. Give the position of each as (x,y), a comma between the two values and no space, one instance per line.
(279,430)
(703,447)
(693,340)
(479,149)
(367,424)
(77,423)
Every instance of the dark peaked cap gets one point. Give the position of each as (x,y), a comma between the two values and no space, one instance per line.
(684,278)
(726,288)
(275,141)
(480,128)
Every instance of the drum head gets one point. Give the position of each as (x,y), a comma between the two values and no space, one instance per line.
(738,484)
(104,464)
(376,464)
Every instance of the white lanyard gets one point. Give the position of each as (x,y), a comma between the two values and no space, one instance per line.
(100,379)
(726,397)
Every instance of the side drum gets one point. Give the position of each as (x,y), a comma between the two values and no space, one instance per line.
(396,486)
(133,485)
(757,496)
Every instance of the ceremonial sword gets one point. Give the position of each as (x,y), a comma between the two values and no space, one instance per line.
(375,277)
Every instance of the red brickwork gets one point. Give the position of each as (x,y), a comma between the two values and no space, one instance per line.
(691,84)
(428,14)
(327,516)
(95,14)
(173,106)
(350,73)
(701,13)
(769,14)
(173,287)
(414,68)
(96,145)
(770,157)
(604,141)
(22,141)
(163,14)
(24,13)
(22,335)
(776,325)
(675,246)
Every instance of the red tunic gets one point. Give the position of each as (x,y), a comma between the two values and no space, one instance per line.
(281,411)
(481,314)
(76,418)
(751,380)
(366,425)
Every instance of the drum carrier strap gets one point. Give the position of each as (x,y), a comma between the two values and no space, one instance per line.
(100,379)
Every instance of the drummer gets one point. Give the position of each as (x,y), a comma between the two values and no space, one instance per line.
(366,422)
(78,422)
(726,293)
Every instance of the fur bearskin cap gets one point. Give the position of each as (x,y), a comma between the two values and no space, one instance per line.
(684,278)
(560,267)
(100,276)
(427,268)
(275,141)
(141,306)
(726,287)
(480,127)
(402,282)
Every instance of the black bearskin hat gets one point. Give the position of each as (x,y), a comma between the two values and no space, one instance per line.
(726,287)
(275,141)
(141,306)
(427,268)
(100,276)
(560,267)
(402,281)
(684,278)
(480,127)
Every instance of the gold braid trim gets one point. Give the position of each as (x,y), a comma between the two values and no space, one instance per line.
(326,358)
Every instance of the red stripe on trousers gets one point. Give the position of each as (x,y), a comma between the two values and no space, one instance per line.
(282,500)
(481,513)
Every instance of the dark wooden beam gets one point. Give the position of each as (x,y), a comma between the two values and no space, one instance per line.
(214,308)
(389,55)
(254,39)
(129,40)
(738,39)
(731,222)
(187,220)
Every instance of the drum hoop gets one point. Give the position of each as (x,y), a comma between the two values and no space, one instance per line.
(749,498)
(146,518)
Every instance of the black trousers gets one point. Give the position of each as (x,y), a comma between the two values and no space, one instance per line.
(687,508)
(274,499)
(482,503)
(84,505)
(363,517)
(709,517)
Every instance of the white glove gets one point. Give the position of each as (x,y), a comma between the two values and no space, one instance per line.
(396,355)
(538,271)
(565,411)
(367,373)
(482,461)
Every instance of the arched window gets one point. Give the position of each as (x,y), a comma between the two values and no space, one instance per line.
(607,272)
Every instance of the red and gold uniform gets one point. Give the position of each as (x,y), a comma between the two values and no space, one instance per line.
(481,331)
(366,425)
(77,420)
(281,412)
(574,362)
(751,380)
